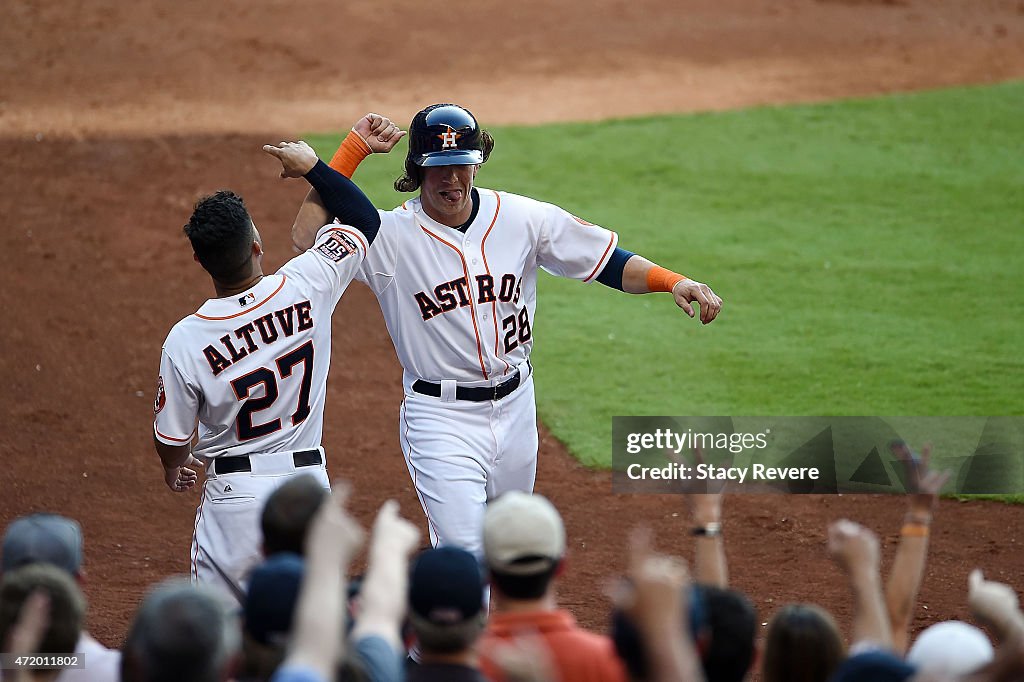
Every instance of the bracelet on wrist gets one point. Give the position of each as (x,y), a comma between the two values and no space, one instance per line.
(708,530)
(914,530)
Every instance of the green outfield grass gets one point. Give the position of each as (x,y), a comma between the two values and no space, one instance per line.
(869,254)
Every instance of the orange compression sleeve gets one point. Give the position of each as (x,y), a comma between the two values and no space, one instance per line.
(660,279)
(352,151)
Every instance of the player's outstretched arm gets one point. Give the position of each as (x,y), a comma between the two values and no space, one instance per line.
(311,217)
(636,275)
(339,195)
(372,134)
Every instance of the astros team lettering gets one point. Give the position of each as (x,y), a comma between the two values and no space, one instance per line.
(455,294)
(294,318)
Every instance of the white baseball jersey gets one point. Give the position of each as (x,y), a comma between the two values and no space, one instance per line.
(460,306)
(251,370)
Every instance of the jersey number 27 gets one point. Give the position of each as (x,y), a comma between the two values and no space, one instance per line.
(244,385)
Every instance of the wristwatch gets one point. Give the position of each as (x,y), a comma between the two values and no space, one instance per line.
(711,530)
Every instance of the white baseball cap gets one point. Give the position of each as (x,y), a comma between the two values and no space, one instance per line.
(523,534)
(952,647)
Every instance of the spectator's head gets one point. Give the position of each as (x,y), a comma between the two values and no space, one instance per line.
(268,611)
(446,600)
(288,513)
(629,644)
(524,542)
(726,641)
(803,644)
(43,538)
(67,605)
(876,666)
(223,237)
(952,648)
(180,632)
(271,598)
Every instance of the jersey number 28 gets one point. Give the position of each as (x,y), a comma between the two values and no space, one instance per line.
(516,334)
(243,386)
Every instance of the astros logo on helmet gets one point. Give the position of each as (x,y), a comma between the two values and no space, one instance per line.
(449,139)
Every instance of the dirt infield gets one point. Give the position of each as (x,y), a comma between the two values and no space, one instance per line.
(116,117)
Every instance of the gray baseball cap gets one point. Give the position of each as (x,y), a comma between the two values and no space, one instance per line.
(43,538)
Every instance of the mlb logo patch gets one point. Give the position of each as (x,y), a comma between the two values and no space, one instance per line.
(247,299)
(336,246)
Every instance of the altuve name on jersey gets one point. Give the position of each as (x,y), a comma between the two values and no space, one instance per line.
(267,329)
(455,294)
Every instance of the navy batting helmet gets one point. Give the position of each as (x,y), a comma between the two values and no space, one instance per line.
(445,135)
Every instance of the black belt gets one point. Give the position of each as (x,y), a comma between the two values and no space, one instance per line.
(476,394)
(237,463)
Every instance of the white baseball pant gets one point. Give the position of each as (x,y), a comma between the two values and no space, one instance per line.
(227,542)
(460,454)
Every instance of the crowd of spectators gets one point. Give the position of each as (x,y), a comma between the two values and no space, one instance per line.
(445,614)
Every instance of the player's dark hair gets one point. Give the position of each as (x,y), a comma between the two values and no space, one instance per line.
(802,644)
(67,605)
(413,175)
(524,586)
(221,233)
(731,623)
(287,515)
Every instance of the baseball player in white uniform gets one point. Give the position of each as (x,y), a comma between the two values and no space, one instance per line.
(455,272)
(245,376)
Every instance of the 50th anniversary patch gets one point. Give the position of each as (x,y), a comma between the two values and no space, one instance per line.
(336,246)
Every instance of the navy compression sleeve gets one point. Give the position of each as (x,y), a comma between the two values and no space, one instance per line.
(611,275)
(344,200)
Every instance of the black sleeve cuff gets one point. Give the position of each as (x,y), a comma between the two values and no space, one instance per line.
(344,199)
(611,275)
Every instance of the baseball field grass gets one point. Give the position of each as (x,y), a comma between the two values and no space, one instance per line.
(869,254)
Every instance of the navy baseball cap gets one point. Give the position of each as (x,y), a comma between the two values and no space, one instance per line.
(629,643)
(272,596)
(874,666)
(43,538)
(446,586)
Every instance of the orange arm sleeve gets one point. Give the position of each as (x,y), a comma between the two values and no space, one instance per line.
(352,151)
(660,279)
